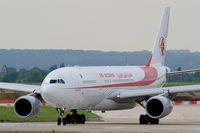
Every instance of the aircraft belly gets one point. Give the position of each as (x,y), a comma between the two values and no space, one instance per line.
(74,98)
(93,96)
(107,105)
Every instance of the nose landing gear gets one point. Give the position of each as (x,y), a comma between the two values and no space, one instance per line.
(61,119)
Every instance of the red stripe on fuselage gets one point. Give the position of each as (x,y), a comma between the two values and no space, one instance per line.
(150,77)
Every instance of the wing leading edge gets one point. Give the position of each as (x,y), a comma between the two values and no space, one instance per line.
(19,87)
(135,94)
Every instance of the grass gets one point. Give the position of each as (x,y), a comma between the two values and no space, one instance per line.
(46,114)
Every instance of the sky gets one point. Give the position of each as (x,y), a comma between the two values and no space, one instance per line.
(108,25)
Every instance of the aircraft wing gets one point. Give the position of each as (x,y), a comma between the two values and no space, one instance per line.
(140,93)
(18,87)
(182,72)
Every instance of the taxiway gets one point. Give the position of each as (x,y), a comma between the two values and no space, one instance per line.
(183,119)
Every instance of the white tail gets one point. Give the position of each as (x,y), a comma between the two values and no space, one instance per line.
(159,49)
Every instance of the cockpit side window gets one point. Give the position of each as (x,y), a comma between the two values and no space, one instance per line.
(53,81)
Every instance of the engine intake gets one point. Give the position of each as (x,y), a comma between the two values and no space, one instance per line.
(158,107)
(26,106)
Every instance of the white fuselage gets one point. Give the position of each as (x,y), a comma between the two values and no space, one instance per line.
(89,87)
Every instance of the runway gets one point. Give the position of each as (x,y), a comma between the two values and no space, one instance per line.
(183,119)
(99,127)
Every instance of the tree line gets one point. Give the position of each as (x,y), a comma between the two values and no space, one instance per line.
(34,75)
(187,77)
(47,58)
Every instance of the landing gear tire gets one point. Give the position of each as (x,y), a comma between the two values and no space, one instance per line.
(77,117)
(68,119)
(154,121)
(64,120)
(82,119)
(145,119)
(73,120)
(59,121)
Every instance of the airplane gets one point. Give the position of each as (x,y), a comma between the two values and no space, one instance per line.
(106,88)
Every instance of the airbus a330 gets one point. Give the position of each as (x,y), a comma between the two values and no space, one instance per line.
(106,88)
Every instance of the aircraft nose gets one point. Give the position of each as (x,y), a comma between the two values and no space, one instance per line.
(46,93)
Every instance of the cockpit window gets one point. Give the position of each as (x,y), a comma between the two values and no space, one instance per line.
(53,81)
(59,81)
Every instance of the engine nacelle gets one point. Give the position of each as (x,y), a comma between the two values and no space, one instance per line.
(26,106)
(158,107)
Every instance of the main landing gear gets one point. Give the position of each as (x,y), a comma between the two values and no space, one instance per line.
(145,119)
(75,118)
(72,118)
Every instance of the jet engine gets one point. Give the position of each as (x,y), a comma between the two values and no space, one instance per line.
(158,107)
(26,106)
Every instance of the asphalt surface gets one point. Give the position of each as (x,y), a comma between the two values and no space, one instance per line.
(183,119)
